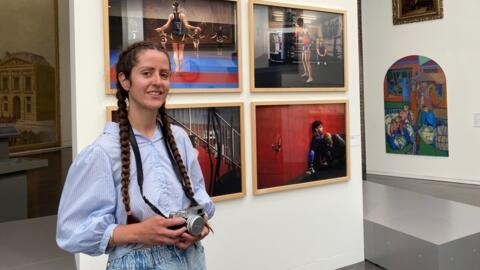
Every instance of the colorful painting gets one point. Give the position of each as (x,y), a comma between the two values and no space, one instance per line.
(415,98)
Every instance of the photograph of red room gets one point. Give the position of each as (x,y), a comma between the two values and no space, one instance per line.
(300,143)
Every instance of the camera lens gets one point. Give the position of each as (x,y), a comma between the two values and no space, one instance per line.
(195,224)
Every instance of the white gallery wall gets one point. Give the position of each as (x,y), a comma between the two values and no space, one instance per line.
(452,42)
(313,228)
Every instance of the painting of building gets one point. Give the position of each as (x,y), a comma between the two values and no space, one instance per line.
(28,99)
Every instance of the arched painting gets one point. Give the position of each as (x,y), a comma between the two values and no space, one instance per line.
(415,99)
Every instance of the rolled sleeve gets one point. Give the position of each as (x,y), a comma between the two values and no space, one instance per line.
(86,214)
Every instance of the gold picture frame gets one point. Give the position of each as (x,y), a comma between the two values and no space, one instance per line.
(408,11)
(216,131)
(283,141)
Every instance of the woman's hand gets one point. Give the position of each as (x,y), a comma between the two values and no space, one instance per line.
(187,240)
(155,230)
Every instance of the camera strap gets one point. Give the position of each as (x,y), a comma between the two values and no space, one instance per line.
(138,162)
(175,164)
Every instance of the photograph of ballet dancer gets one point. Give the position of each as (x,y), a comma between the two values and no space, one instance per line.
(199,35)
(297,49)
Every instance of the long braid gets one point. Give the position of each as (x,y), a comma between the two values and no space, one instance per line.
(176,155)
(126,61)
(124,126)
(178,159)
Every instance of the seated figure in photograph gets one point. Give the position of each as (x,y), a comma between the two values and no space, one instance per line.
(326,150)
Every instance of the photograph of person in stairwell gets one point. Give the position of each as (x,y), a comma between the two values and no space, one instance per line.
(216,130)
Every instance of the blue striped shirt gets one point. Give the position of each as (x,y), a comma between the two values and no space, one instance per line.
(91,204)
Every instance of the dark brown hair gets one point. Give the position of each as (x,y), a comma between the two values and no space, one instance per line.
(126,61)
(315,125)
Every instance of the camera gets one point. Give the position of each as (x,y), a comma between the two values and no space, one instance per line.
(194,219)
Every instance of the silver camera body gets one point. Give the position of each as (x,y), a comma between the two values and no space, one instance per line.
(193,217)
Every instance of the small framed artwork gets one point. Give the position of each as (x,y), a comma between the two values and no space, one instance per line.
(216,132)
(297,48)
(112,115)
(409,11)
(299,144)
(203,45)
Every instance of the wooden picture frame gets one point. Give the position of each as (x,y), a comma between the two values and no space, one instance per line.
(29,75)
(283,140)
(297,48)
(409,11)
(211,65)
(112,115)
(213,129)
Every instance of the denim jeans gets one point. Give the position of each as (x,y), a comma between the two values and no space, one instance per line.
(161,257)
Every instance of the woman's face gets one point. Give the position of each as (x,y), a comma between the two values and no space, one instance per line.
(149,81)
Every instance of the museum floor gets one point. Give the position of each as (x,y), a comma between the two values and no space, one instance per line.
(365,265)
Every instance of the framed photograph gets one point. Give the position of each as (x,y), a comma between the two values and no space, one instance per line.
(409,11)
(216,132)
(299,144)
(112,115)
(296,48)
(203,40)
(29,65)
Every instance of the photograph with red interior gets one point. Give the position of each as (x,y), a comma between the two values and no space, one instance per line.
(300,143)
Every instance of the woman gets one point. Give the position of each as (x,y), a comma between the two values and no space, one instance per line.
(304,38)
(196,40)
(220,39)
(178,21)
(113,204)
